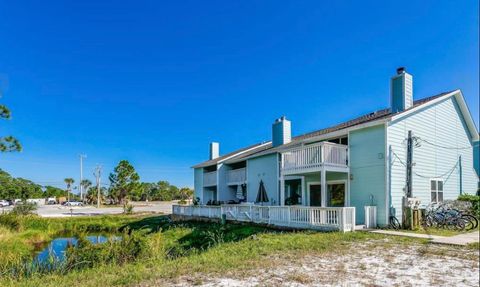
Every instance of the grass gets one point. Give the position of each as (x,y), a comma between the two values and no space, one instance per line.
(440,231)
(173,250)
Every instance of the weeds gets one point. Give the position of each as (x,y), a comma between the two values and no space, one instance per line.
(24,208)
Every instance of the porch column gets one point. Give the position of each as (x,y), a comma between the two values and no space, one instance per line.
(282,190)
(323,182)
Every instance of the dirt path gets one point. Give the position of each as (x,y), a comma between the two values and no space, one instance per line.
(379,263)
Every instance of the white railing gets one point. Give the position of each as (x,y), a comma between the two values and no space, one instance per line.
(370,217)
(236,176)
(210,178)
(324,218)
(310,157)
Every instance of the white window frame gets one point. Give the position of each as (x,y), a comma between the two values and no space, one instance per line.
(436,191)
(302,186)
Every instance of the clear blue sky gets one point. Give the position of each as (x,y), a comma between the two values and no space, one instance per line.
(155,82)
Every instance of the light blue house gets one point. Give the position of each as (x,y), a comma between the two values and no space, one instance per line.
(421,149)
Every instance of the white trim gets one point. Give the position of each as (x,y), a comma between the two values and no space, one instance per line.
(201,165)
(467,116)
(387,175)
(339,181)
(345,131)
(324,192)
(308,189)
(338,133)
(302,185)
(436,179)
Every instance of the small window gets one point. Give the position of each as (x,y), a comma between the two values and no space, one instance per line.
(436,189)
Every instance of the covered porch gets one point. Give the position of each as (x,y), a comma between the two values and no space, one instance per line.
(315,175)
(316,189)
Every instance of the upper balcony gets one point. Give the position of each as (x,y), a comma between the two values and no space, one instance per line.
(236,176)
(314,157)
(210,178)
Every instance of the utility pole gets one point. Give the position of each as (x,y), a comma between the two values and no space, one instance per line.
(82,156)
(406,211)
(97,173)
(409,163)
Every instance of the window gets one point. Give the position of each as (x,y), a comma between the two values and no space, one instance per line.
(436,189)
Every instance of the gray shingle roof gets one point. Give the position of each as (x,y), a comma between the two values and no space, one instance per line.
(264,149)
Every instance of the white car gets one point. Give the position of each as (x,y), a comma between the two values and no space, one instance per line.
(4,203)
(73,203)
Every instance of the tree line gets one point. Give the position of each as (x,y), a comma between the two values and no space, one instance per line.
(124,184)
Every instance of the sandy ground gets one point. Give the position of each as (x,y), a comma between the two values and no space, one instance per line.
(366,264)
(164,207)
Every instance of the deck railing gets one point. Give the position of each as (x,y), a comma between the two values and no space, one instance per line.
(312,156)
(210,178)
(324,218)
(237,176)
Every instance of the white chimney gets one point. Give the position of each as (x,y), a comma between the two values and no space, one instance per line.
(281,131)
(214,150)
(401,91)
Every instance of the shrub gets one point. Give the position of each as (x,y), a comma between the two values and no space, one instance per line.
(196,201)
(128,208)
(10,221)
(116,251)
(475,203)
(24,208)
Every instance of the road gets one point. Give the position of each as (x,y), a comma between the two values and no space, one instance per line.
(164,207)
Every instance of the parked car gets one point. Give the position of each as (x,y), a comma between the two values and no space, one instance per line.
(4,203)
(51,201)
(72,203)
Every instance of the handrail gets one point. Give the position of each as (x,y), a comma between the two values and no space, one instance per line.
(210,178)
(336,218)
(237,175)
(314,155)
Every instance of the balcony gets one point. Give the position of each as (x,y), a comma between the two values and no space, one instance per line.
(310,158)
(236,176)
(210,178)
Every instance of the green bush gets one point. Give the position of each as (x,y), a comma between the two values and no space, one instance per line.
(128,208)
(24,208)
(10,221)
(116,251)
(474,200)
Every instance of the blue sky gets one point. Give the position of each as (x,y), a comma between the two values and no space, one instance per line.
(155,81)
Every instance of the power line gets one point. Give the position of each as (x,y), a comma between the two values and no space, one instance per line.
(449,172)
(440,146)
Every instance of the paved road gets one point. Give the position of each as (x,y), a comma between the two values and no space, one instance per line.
(164,207)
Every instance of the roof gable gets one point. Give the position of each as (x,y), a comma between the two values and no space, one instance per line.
(465,112)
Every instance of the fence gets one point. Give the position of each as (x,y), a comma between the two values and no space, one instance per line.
(324,218)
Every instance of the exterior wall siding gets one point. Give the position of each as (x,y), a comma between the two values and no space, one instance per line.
(476,157)
(198,183)
(441,125)
(367,168)
(263,168)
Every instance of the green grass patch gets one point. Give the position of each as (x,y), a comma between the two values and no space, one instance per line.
(158,249)
(439,231)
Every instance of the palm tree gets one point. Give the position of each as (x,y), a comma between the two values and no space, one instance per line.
(85,183)
(69,181)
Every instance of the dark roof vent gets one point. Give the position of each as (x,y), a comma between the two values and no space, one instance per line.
(400,70)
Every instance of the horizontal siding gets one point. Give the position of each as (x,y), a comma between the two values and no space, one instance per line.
(263,168)
(198,183)
(367,167)
(442,125)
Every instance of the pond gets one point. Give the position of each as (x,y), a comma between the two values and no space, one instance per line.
(57,248)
